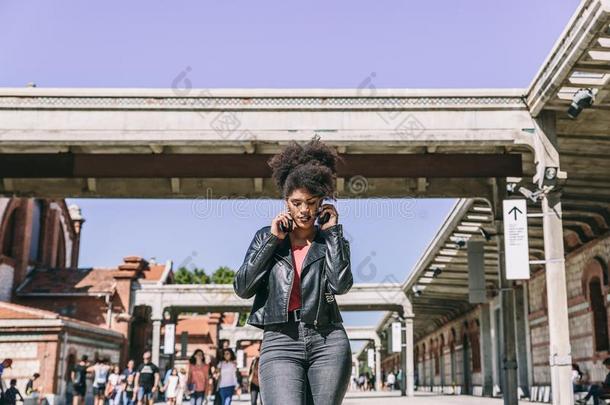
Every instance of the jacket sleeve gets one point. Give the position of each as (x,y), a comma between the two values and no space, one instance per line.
(254,268)
(338,264)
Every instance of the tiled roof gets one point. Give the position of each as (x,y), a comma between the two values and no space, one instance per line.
(69,281)
(154,272)
(193,324)
(14,311)
(10,311)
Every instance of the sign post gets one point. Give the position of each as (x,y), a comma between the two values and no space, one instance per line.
(396,337)
(170,338)
(515,240)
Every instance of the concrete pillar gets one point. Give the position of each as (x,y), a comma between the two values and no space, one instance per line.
(409,360)
(156,341)
(559,337)
(486,350)
(378,382)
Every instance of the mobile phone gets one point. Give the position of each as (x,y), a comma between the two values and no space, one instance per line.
(283,227)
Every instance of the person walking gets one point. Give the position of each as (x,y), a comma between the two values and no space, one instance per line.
(101,370)
(147,380)
(227,376)
(11,394)
(253,383)
(79,380)
(171,386)
(198,377)
(294,268)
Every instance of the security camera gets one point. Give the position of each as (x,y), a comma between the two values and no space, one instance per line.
(436,272)
(416,291)
(583,98)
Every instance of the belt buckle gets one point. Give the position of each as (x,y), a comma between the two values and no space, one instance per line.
(296,315)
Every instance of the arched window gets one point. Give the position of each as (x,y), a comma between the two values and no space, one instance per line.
(600,315)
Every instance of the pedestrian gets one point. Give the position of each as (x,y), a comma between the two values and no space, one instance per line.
(171,387)
(11,394)
(147,380)
(295,268)
(198,377)
(114,382)
(79,380)
(130,369)
(598,390)
(32,391)
(100,370)
(253,383)
(129,397)
(391,380)
(6,363)
(182,386)
(227,377)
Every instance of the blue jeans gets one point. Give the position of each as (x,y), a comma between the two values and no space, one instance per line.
(300,364)
(197,397)
(226,394)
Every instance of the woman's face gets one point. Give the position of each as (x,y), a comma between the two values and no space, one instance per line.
(303,207)
(227,355)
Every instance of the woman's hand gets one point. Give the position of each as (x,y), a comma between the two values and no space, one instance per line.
(282,217)
(334,216)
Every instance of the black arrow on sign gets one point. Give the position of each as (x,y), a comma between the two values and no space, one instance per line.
(514,210)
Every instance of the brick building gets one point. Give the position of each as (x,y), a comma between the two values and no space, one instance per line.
(56,311)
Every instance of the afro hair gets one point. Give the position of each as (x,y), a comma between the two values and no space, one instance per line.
(311,166)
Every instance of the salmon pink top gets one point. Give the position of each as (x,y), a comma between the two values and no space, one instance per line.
(298,256)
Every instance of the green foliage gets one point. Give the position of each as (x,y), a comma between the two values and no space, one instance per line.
(186,276)
(223,275)
(243,317)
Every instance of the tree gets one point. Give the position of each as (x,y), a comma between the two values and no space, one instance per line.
(186,276)
(223,275)
(183,276)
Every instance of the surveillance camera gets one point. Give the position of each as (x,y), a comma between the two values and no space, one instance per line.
(460,243)
(485,234)
(437,272)
(583,98)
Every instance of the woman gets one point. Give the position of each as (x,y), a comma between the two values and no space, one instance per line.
(294,274)
(253,383)
(198,377)
(227,377)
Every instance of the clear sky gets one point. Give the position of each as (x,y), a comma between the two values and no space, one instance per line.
(314,44)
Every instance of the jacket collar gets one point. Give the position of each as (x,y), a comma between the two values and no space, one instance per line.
(316,251)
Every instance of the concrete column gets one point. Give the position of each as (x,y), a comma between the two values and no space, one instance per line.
(409,360)
(378,382)
(486,350)
(156,340)
(559,337)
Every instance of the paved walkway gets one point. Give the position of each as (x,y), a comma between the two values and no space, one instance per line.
(394,398)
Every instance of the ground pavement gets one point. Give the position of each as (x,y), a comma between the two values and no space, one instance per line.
(394,398)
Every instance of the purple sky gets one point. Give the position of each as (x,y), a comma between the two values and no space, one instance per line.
(329,44)
(146,43)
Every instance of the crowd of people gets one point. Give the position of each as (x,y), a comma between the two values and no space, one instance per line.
(144,384)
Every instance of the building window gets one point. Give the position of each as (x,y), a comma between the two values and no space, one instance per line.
(8,241)
(600,316)
(35,231)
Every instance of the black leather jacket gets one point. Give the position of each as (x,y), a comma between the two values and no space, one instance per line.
(267,272)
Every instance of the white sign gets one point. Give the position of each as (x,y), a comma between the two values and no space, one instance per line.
(396,341)
(371,358)
(240,358)
(169,338)
(516,249)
